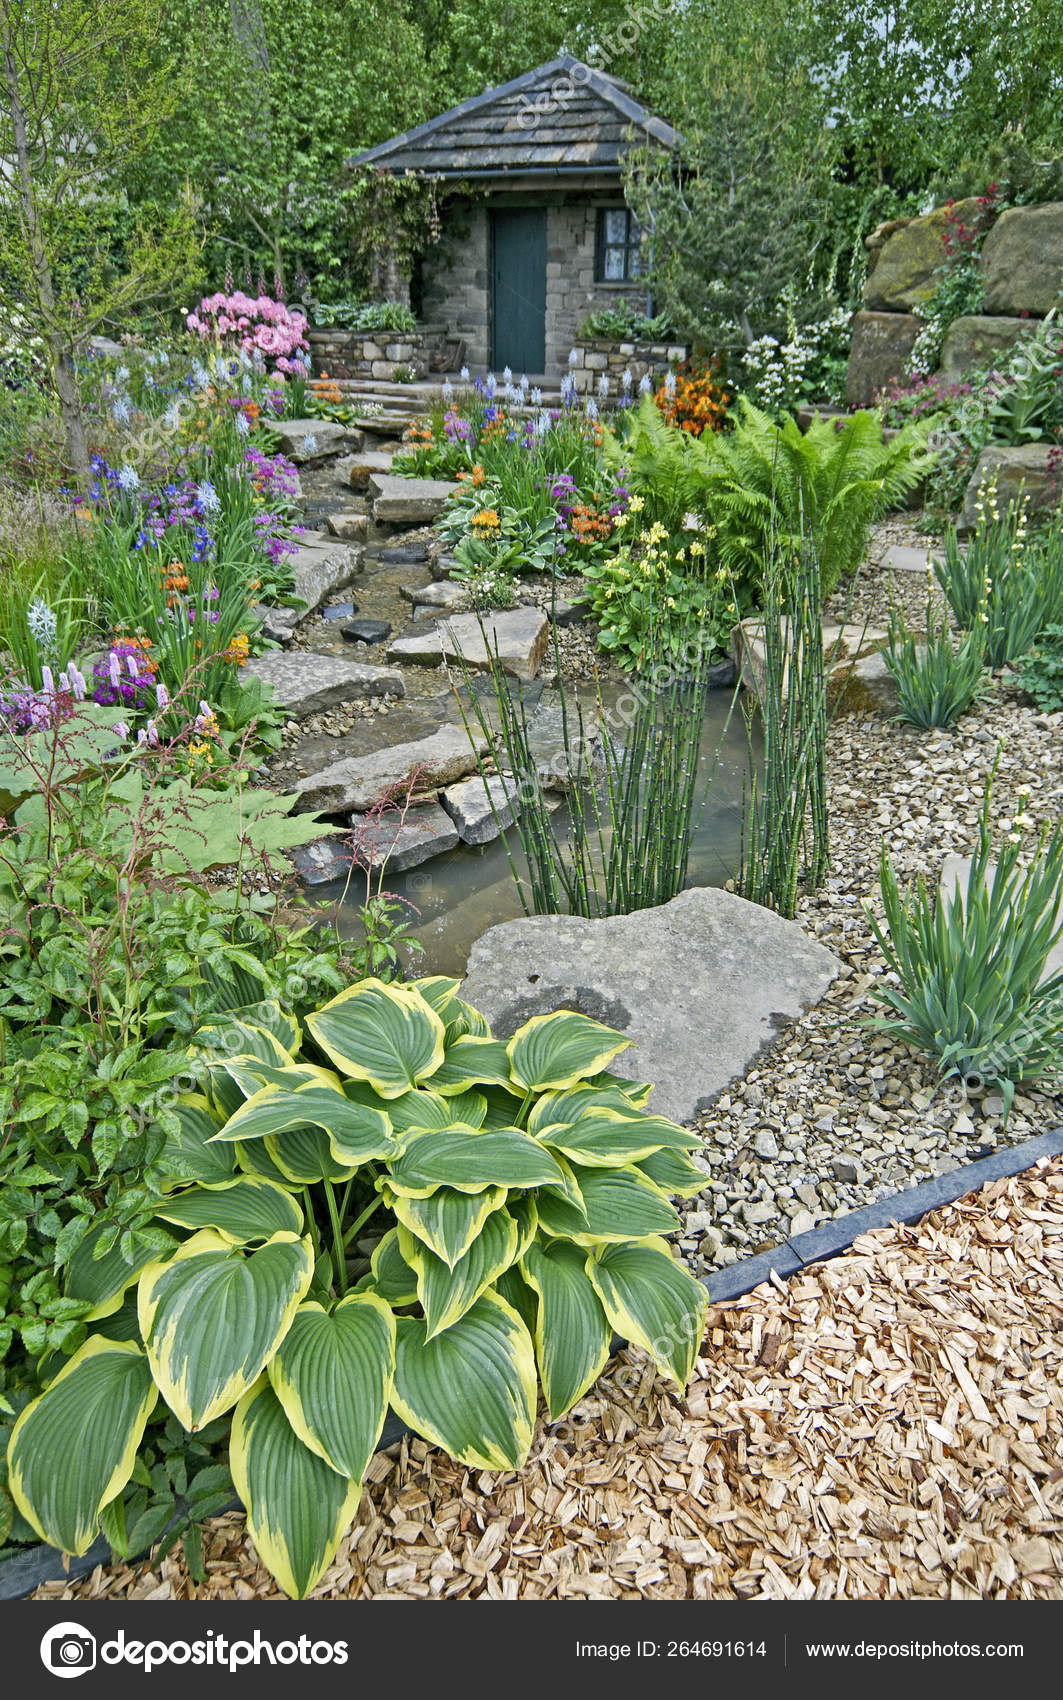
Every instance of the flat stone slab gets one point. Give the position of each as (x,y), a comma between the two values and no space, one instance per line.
(441,594)
(408,501)
(323,861)
(403,554)
(350,527)
(277,623)
(304,440)
(842,645)
(360,468)
(322,567)
(571,611)
(903,558)
(340,611)
(469,806)
(556,762)
(367,631)
(305,683)
(357,782)
(957,871)
(700,985)
(520,637)
(427,831)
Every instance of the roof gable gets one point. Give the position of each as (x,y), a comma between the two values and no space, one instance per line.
(564,116)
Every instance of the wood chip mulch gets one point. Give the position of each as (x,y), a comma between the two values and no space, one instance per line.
(888,1425)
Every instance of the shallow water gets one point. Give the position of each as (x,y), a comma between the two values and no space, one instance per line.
(454,898)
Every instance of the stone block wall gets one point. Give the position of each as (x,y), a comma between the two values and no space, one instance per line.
(597,356)
(456,281)
(367,354)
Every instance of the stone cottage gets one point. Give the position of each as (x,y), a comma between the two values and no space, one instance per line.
(535,233)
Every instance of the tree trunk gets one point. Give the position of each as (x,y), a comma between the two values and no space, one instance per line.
(59,349)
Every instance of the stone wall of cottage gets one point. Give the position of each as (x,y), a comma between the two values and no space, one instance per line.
(456,281)
(367,354)
(597,356)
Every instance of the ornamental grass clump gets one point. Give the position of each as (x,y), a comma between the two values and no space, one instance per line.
(937,678)
(1009,585)
(517,1194)
(971,962)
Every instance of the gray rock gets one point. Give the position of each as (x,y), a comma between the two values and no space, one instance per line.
(1030,473)
(340,611)
(700,985)
(304,440)
(408,501)
(1023,260)
(557,761)
(403,554)
(305,683)
(974,340)
(277,623)
(367,631)
(878,353)
(470,807)
(864,687)
(350,527)
(361,467)
(755,1215)
(519,637)
(569,612)
(427,831)
(440,594)
(356,782)
(323,861)
(322,567)
(845,1168)
(904,276)
(766,1145)
(802,1222)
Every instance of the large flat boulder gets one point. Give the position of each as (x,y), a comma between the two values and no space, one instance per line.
(304,440)
(977,338)
(482,809)
(1023,260)
(904,276)
(305,683)
(322,566)
(408,501)
(401,843)
(441,595)
(519,637)
(356,470)
(881,344)
(1031,473)
(700,985)
(357,782)
(842,646)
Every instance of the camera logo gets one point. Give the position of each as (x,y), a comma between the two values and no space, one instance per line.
(68,1650)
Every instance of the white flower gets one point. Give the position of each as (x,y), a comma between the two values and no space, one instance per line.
(207,497)
(525,382)
(448,392)
(537,397)
(603,386)
(464,374)
(173,416)
(309,443)
(645,384)
(43,625)
(201,375)
(507,375)
(128,480)
(120,410)
(669,386)
(573,356)
(242,425)
(591,408)
(626,381)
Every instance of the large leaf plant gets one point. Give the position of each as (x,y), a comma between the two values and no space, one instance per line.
(517,1195)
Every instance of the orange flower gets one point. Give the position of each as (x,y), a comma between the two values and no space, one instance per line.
(238,650)
(486,521)
(475,477)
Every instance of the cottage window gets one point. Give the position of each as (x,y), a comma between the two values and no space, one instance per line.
(617,249)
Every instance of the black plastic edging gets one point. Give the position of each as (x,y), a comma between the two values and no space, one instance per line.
(25,1571)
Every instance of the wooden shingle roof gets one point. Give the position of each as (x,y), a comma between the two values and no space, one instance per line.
(564,117)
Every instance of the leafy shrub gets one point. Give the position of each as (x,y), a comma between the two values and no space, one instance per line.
(366,316)
(937,679)
(809,366)
(625,324)
(960,287)
(1042,675)
(970,963)
(654,592)
(524,1193)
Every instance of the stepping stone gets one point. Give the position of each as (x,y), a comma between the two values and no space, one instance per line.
(469,805)
(357,782)
(361,467)
(570,613)
(323,861)
(556,764)
(351,527)
(367,631)
(403,554)
(408,501)
(305,683)
(426,832)
(304,440)
(321,568)
(441,594)
(339,611)
(903,558)
(520,637)
(700,985)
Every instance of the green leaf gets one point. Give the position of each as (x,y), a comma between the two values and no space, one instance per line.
(228,1037)
(102,1281)
(74,1447)
(332,1373)
(471,1390)
(653,1301)
(214,1315)
(305,1156)
(446,1293)
(297,1506)
(618,1204)
(572,1332)
(448,1221)
(419,1109)
(471,1062)
(238,1210)
(470,1160)
(674,1173)
(187,1154)
(357,1133)
(386,1034)
(391,1275)
(606,1140)
(554,1051)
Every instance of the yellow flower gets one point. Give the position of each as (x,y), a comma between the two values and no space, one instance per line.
(636,504)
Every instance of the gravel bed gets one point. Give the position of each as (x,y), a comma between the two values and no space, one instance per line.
(835,1116)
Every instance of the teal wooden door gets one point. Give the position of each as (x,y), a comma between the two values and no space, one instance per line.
(518,290)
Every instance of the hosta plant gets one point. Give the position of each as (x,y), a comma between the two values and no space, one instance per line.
(516,1193)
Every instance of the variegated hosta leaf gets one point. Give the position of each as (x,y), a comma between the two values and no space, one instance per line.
(254,1159)
(522,1208)
(187,1154)
(448,1221)
(572,1332)
(471,1108)
(471,1062)
(280,1022)
(674,1173)
(228,1037)
(653,1301)
(512,1287)
(500,1106)
(74,1447)
(305,1156)
(386,1034)
(462,1019)
(637,1092)
(470,1160)
(392,1276)
(554,1051)
(471,1390)
(604,1140)
(419,1109)
(239,1210)
(297,1506)
(618,1204)
(438,990)
(251,1075)
(213,1315)
(446,1294)
(572,1102)
(102,1281)
(332,1373)
(357,1133)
